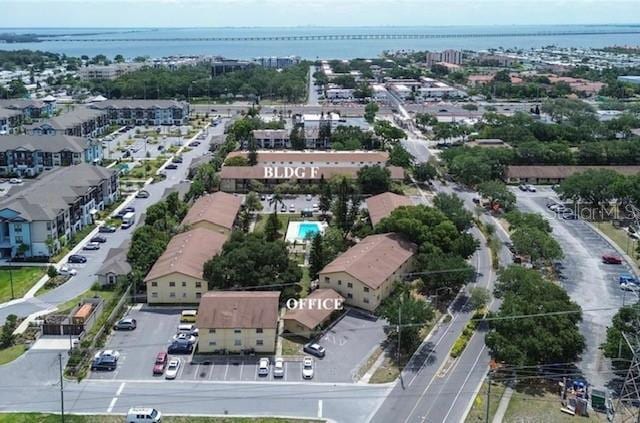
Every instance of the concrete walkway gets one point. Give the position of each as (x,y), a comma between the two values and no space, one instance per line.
(376,365)
(504,404)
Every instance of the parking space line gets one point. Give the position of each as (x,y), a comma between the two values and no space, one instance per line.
(195,374)
(241,369)
(211,370)
(226,370)
(319,408)
(120,389)
(112,404)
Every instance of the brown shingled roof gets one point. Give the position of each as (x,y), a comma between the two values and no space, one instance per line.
(317,156)
(238,309)
(187,253)
(311,317)
(219,208)
(374,259)
(382,205)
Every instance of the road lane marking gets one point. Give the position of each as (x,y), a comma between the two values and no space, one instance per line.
(226,370)
(241,369)
(120,389)
(319,408)
(210,371)
(112,404)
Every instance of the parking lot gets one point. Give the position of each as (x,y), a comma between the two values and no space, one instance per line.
(139,147)
(348,344)
(588,281)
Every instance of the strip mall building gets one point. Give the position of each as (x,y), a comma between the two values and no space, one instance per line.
(303,167)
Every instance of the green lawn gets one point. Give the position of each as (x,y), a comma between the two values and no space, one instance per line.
(23,279)
(7,355)
(282,217)
(620,237)
(292,345)
(478,411)
(53,418)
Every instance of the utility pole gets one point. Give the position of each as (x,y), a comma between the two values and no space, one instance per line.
(61,389)
(626,409)
(399,326)
(486,412)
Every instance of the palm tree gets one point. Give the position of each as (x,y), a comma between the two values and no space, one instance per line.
(276,199)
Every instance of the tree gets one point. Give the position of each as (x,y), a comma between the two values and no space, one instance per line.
(424,172)
(444,271)
(543,339)
(615,347)
(498,194)
(252,260)
(17,89)
(252,156)
(317,258)
(52,272)
(374,179)
(387,132)
(275,201)
(252,202)
(237,161)
(518,219)
(536,244)
(244,220)
(453,207)
(399,156)
(325,199)
(370,111)
(118,58)
(479,297)
(296,138)
(272,227)
(346,205)
(595,186)
(7,338)
(408,313)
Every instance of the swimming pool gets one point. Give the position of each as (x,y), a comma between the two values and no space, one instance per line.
(308,230)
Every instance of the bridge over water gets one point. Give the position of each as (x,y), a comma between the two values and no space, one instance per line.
(338,37)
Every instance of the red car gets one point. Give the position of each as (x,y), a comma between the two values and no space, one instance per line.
(611,259)
(160,364)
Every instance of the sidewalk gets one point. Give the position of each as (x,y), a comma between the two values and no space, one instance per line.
(504,404)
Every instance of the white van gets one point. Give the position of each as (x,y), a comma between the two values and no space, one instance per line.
(144,415)
(188,328)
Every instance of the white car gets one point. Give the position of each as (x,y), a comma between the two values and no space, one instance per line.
(278,367)
(307,368)
(182,336)
(292,208)
(107,353)
(315,208)
(172,368)
(67,271)
(309,197)
(263,367)
(531,188)
(633,233)
(15,181)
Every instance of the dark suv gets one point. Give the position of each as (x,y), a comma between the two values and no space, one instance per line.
(106,362)
(76,258)
(180,347)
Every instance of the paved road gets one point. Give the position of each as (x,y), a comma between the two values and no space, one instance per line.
(589,282)
(31,384)
(86,272)
(312,96)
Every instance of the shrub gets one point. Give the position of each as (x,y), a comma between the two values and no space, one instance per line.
(52,272)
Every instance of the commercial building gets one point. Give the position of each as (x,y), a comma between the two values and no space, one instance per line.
(302,167)
(366,273)
(144,112)
(30,155)
(113,71)
(238,321)
(216,212)
(381,205)
(222,66)
(44,213)
(313,313)
(557,174)
(177,276)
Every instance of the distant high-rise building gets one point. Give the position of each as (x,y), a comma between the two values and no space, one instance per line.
(448,56)
(274,62)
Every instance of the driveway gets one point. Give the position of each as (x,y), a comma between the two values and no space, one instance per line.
(138,348)
(588,281)
(349,343)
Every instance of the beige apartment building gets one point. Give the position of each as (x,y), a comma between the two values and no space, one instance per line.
(177,275)
(238,321)
(365,274)
(216,212)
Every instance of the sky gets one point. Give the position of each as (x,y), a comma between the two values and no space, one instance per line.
(226,13)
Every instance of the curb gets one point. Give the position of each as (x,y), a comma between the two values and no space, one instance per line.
(615,246)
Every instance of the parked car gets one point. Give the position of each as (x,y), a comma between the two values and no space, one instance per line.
(308,197)
(106,229)
(263,367)
(283,208)
(631,287)
(77,258)
(181,336)
(161,363)
(142,194)
(314,349)
(180,347)
(171,166)
(107,353)
(143,415)
(569,216)
(108,363)
(531,188)
(177,159)
(315,208)
(67,271)
(126,324)
(278,367)
(91,246)
(611,259)
(172,368)
(129,209)
(522,187)
(188,328)
(307,368)
(160,147)
(263,197)
(194,143)
(627,278)
(99,239)
(292,208)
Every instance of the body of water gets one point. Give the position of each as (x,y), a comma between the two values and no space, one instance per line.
(132,42)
